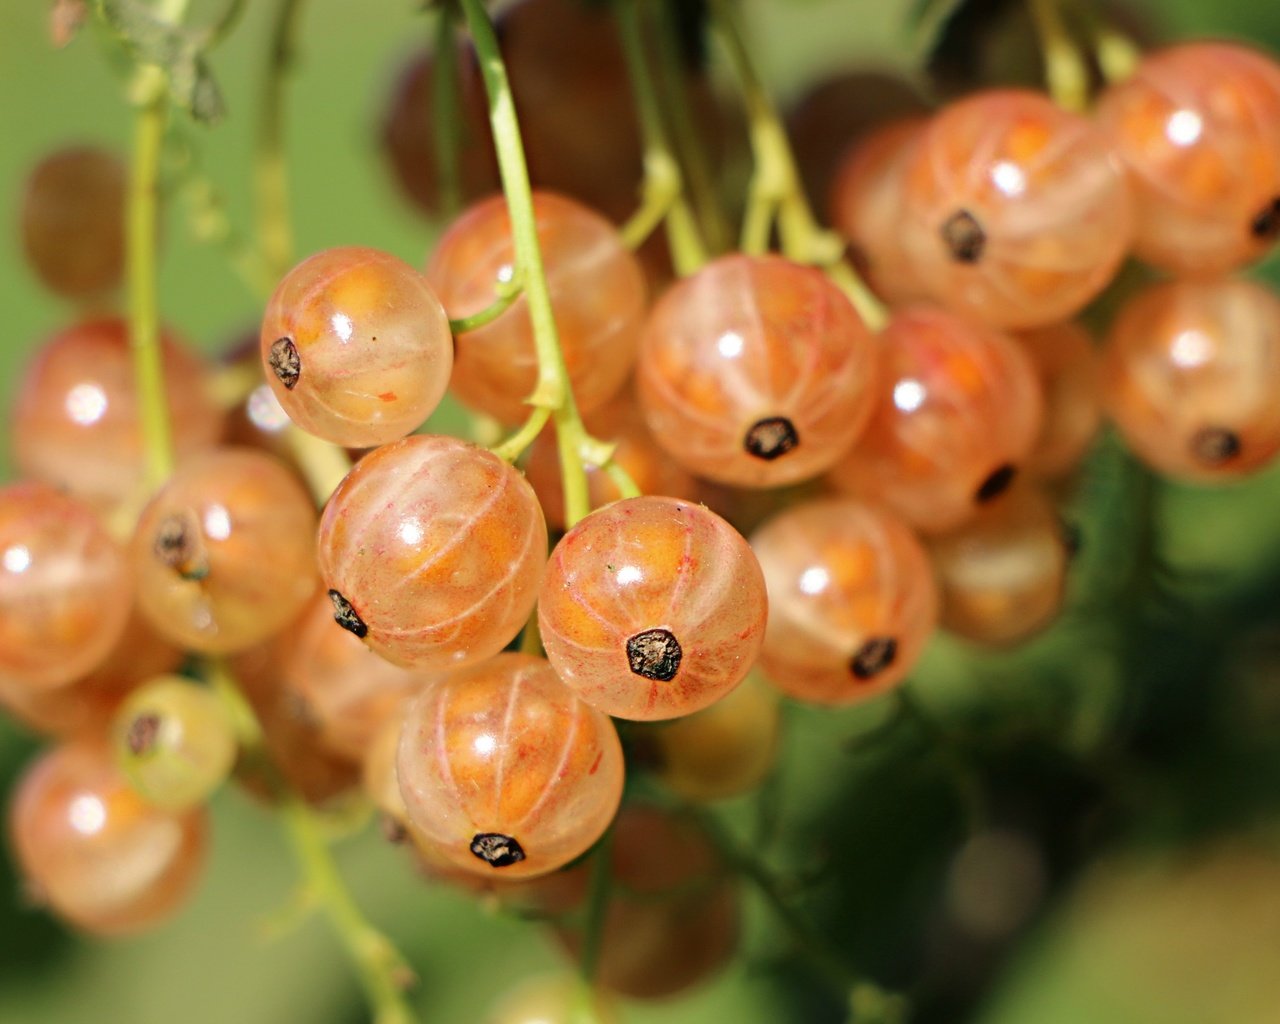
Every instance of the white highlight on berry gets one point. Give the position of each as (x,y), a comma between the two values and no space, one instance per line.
(1008,178)
(411,532)
(86,403)
(485,744)
(17,559)
(1183,127)
(908,395)
(730,345)
(87,814)
(264,410)
(629,574)
(1191,348)
(814,580)
(342,326)
(217,522)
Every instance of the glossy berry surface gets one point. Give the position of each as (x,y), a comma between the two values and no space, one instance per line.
(65,588)
(673,920)
(1198,127)
(652,608)
(433,550)
(75,423)
(1002,574)
(756,372)
(72,221)
(505,769)
(1067,362)
(866,203)
(598,297)
(552,999)
(852,600)
(175,742)
(1190,375)
(356,346)
(224,554)
(95,851)
(958,409)
(1017,212)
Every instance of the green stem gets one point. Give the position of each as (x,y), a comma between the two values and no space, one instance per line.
(505,291)
(1066,74)
(445,112)
(552,391)
(383,972)
(597,907)
(664,197)
(271,177)
(141,268)
(622,480)
(698,174)
(513,447)
(776,183)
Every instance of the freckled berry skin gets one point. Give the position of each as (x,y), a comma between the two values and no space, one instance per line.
(249,547)
(102,858)
(75,422)
(958,409)
(1067,363)
(439,547)
(1016,211)
(65,588)
(646,565)
(748,343)
(1198,127)
(598,297)
(371,349)
(505,749)
(867,208)
(1191,371)
(852,600)
(1002,574)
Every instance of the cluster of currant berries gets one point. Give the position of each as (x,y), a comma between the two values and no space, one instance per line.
(374,639)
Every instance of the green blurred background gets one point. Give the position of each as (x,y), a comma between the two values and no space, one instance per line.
(1129,771)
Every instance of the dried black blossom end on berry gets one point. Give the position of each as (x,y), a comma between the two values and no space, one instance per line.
(1215,446)
(497,850)
(284,362)
(873,657)
(771,438)
(177,544)
(143,733)
(655,654)
(345,616)
(964,238)
(1266,224)
(996,484)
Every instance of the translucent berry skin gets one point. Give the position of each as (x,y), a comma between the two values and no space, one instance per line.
(65,588)
(1002,574)
(1017,212)
(1190,376)
(866,204)
(75,422)
(724,750)
(72,221)
(504,749)
(852,600)
(100,856)
(356,346)
(620,424)
(1198,127)
(658,570)
(673,919)
(241,563)
(438,548)
(958,409)
(346,688)
(1067,363)
(598,297)
(552,999)
(756,372)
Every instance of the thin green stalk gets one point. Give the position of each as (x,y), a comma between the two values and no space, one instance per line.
(383,972)
(775,184)
(664,198)
(1066,74)
(445,112)
(505,293)
(552,391)
(627,487)
(598,895)
(271,176)
(513,446)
